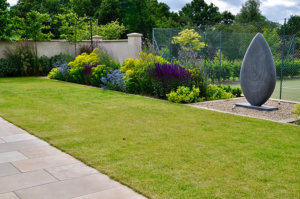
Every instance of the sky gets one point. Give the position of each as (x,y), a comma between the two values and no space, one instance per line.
(274,10)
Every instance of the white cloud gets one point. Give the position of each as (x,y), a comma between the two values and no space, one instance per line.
(285,3)
(225,6)
(12,2)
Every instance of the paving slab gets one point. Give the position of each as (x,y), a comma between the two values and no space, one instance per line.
(7,169)
(24,180)
(7,128)
(18,137)
(115,193)
(32,169)
(71,171)
(11,156)
(15,146)
(69,188)
(38,152)
(44,162)
(9,195)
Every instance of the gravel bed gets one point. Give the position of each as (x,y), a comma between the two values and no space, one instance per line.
(284,114)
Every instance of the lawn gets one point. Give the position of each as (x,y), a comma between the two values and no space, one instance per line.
(290,89)
(160,149)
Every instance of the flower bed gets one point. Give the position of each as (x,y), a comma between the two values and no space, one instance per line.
(148,75)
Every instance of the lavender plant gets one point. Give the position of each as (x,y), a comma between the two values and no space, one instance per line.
(167,77)
(114,81)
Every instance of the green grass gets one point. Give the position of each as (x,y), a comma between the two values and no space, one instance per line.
(290,89)
(160,149)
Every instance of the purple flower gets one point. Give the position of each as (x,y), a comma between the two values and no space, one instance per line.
(169,72)
(87,70)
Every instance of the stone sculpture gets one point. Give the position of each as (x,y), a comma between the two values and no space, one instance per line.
(258,74)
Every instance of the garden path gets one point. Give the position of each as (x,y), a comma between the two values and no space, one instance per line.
(32,169)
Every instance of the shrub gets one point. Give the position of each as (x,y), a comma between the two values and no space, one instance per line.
(189,38)
(8,68)
(166,77)
(112,30)
(137,73)
(60,73)
(23,56)
(64,70)
(184,95)
(85,49)
(296,111)
(55,74)
(76,75)
(85,59)
(97,73)
(114,80)
(214,92)
(60,59)
(45,65)
(106,59)
(237,92)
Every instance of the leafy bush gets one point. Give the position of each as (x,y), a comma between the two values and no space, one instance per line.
(60,59)
(23,56)
(184,95)
(106,59)
(112,30)
(137,72)
(166,77)
(114,80)
(55,74)
(60,73)
(85,49)
(76,75)
(97,73)
(85,59)
(296,111)
(189,38)
(45,65)
(214,92)
(8,68)
(237,92)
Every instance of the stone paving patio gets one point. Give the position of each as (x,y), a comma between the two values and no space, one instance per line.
(32,169)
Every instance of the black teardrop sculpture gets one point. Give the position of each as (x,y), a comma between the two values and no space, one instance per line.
(258,72)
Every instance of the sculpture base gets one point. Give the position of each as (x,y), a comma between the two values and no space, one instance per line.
(260,108)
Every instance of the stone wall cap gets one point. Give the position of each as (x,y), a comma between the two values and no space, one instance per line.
(134,35)
(97,37)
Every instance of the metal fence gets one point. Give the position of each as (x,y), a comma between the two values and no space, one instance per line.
(219,55)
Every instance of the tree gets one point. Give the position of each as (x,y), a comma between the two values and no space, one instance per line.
(250,12)
(36,26)
(136,16)
(227,17)
(273,40)
(112,30)
(162,16)
(110,10)
(292,26)
(5,30)
(198,12)
(70,26)
(188,38)
(85,7)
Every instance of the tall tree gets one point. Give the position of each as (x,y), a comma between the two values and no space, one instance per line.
(198,12)
(250,12)
(110,10)
(136,16)
(5,30)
